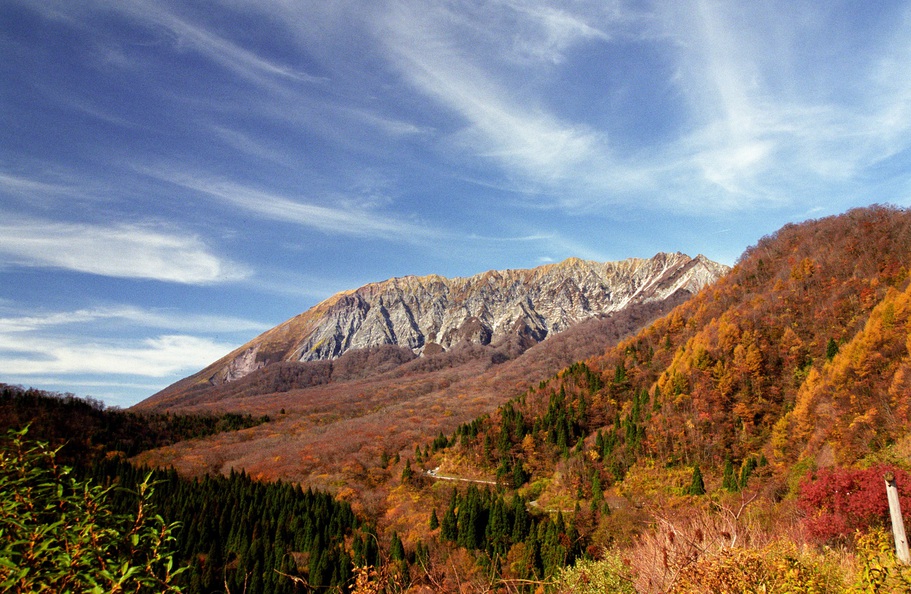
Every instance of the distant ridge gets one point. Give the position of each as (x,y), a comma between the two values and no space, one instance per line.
(512,309)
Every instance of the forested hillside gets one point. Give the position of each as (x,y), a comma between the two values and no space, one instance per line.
(800,353)
(229,532)
(83,428)
(739,443)
(797,360)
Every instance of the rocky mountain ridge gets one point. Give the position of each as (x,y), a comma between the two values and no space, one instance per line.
(430,314)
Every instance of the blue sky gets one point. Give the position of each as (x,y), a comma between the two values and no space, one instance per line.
(176,177)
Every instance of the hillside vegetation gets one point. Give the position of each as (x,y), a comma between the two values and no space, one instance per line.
(736,444)
(797,360)
(334,433)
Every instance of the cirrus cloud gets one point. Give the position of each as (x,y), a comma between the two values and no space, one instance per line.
(160,356)
(116,250)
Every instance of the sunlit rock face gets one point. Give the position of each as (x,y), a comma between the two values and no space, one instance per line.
(433,313)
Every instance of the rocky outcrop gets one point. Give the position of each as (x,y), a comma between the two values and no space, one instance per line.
(421,311)
(432,313)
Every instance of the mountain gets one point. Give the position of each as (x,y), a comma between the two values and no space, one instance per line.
(736,436)
(800,356)
(428,315)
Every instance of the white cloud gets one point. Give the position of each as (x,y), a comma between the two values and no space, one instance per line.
(160,356)
(14,184)
(551,31)
(123,251)
(248,145)
(227,54)
(501,126)
(770,120)
(110,348)
(347,220)
(134,316)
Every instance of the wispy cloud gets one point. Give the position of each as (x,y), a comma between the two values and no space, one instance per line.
(224,52)
(160,356)
(14,184)
(759,123)
(247,145)
(549,31)
(55,184)
(112,346)
(132,315)
(349,219)
(501,126)
(767,122)
(117,250)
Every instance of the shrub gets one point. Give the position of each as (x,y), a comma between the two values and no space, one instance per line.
(59,534)
(880,570)
(610,574)
(838,502)
(776,568)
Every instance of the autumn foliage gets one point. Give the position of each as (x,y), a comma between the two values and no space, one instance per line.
(717,449)
(838,503)
(802,347)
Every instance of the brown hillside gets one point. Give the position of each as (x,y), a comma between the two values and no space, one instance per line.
(745,353)
(333,433)
(509,310)
(803,351)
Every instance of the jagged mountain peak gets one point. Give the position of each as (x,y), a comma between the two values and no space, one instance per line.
(432,313)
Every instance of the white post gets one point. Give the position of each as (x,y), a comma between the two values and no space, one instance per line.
(898,525)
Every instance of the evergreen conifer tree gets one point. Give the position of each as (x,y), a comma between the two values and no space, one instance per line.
(407,472)
(697,486)
(729,481)
(397,549)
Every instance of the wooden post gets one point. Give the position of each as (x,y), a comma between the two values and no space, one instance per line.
(898,525)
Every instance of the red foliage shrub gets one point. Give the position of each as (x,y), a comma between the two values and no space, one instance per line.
(840,501)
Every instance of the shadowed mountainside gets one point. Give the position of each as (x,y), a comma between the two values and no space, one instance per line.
(334,432)
(800,356)
(509,310)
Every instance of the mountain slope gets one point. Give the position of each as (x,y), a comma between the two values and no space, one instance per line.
(802,353)
(333,419)
(511,309)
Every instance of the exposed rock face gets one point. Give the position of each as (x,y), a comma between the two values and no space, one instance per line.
(416,311)
(431,313)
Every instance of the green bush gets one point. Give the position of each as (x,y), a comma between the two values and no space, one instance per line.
(878,568)
(779,568)
(59,534)
(595,577)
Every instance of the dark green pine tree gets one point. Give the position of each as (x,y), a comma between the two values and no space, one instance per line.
(498,529)
(597,490)
(468,520)
(519,475)
(729,482)
(697,485)
(521,522)
(434,520)
(397,549)
(407,472)
(449,527)
(319,569)
(213,567)
(749,465)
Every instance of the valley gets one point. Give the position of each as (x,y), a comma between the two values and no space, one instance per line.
(676,445)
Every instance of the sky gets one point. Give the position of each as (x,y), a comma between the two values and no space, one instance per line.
(177,177)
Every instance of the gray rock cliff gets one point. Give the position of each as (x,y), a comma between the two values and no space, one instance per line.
(434,313)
